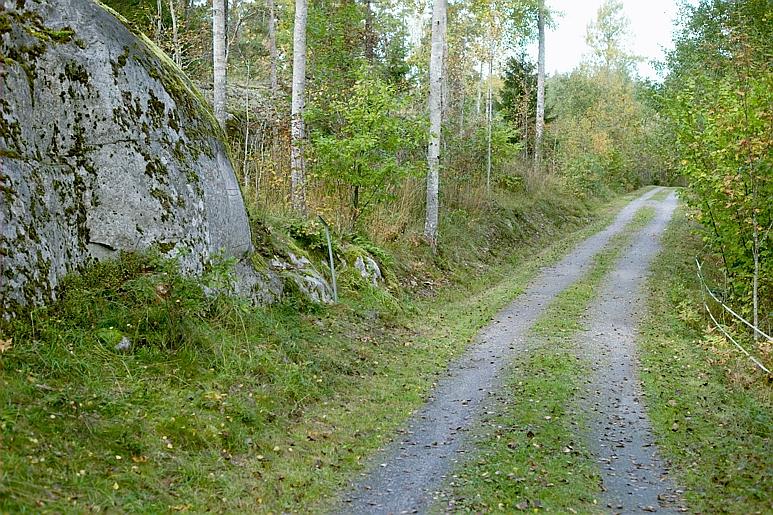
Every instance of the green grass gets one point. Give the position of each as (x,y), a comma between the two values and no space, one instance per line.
(221,406)
(530,452)
(711,409)
(662,194)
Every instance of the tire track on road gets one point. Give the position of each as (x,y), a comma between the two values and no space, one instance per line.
(635,479)
(404,476)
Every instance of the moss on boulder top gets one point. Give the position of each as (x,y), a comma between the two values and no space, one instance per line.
(105,145)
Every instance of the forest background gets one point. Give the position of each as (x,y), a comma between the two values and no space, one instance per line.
(705,126)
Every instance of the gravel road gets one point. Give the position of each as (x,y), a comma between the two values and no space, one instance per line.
(620,436)
(406,474)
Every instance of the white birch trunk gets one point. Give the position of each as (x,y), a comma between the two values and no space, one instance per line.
(272,53)
(219,60)
(297,159)
(489,117)
(175,35)
(444,103)
(480,90)
(435,113)
(159,26)
(540,124)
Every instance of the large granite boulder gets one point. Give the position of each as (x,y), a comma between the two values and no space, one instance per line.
(104,146)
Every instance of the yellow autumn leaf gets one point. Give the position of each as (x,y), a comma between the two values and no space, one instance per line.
(5,345)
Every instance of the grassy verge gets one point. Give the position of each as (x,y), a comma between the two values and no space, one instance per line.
(711,409)
(530,456)
(220,406)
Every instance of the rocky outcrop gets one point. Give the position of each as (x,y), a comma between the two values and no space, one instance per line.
(309,281)
(104,146)
(369,269)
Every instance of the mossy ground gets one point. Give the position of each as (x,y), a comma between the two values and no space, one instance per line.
(218,405)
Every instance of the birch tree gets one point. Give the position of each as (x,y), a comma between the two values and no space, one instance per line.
(175,34)
(439,9)
(274,83)
(540,123)
(489,116)
(219,60)
(272,50)
(480,89)
(297,158)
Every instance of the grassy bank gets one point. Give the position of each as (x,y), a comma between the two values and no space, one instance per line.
(712,410)
(217,405)
(530,454)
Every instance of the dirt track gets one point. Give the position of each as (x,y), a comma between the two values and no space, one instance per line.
(404,476)
(620,436)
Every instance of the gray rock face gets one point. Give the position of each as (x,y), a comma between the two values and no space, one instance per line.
(310,282)
(104,146)
(369,269)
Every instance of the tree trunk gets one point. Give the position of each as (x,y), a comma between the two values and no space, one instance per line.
(272,51)
(370,42)
(489,117)
(540,125)
(274,83)
(480,90)
(444,92)
(219,60)
(159,26)
(175,38)
(297,159)
(435,110)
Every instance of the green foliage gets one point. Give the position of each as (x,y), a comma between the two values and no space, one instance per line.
(140,13)
(718,98)
(467,152)
(310,234)
(518,96)
(366,141)
(194,21)
(606,37)
(603,131)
